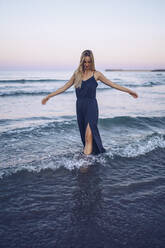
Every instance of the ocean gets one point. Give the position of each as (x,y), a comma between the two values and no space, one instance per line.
(47,199)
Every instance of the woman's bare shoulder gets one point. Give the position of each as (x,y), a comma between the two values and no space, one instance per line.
(97,74)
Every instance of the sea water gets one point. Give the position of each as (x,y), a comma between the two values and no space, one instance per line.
(46,200)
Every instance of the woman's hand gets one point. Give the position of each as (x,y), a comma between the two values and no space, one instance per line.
(134,94)
(44,100)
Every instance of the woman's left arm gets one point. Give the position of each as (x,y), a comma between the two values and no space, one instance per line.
(106,81)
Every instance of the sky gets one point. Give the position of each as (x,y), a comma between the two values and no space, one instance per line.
(51,34)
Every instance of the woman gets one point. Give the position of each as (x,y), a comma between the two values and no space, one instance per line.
(85,80)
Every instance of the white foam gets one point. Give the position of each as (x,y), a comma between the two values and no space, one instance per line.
(140,147)
(76,160)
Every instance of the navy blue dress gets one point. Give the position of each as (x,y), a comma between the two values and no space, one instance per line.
(87,112)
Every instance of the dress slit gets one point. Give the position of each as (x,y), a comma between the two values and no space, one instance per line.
(96,140)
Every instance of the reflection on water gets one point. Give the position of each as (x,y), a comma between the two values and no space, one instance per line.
(87,198)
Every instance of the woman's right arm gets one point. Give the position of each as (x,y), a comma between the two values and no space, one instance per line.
(60,90)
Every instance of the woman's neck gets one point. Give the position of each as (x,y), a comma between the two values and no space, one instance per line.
(86,72)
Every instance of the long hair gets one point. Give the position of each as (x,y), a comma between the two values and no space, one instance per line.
(81,69)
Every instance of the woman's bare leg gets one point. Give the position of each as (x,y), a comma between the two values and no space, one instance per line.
(88,141)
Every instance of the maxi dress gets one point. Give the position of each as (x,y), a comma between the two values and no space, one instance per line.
(87,112)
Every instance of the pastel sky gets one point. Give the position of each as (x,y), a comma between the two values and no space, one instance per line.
(52,33)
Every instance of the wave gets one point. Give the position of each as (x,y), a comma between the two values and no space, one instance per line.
(140,147)
(15,92)
(117,80)
(23,93)
(23,81)
(65,122)
(39,93)
(145,84)
(33,138)
(33,118)
(7,121)
(54,126)
(151,145)
(119,149)
(29,93)
(138,122)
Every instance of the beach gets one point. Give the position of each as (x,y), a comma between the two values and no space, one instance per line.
(47,199)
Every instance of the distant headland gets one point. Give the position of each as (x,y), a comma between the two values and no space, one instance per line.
(142,70)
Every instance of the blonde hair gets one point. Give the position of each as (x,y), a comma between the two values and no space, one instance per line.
(81,69)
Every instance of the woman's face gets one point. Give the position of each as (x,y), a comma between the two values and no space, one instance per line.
(87,62)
